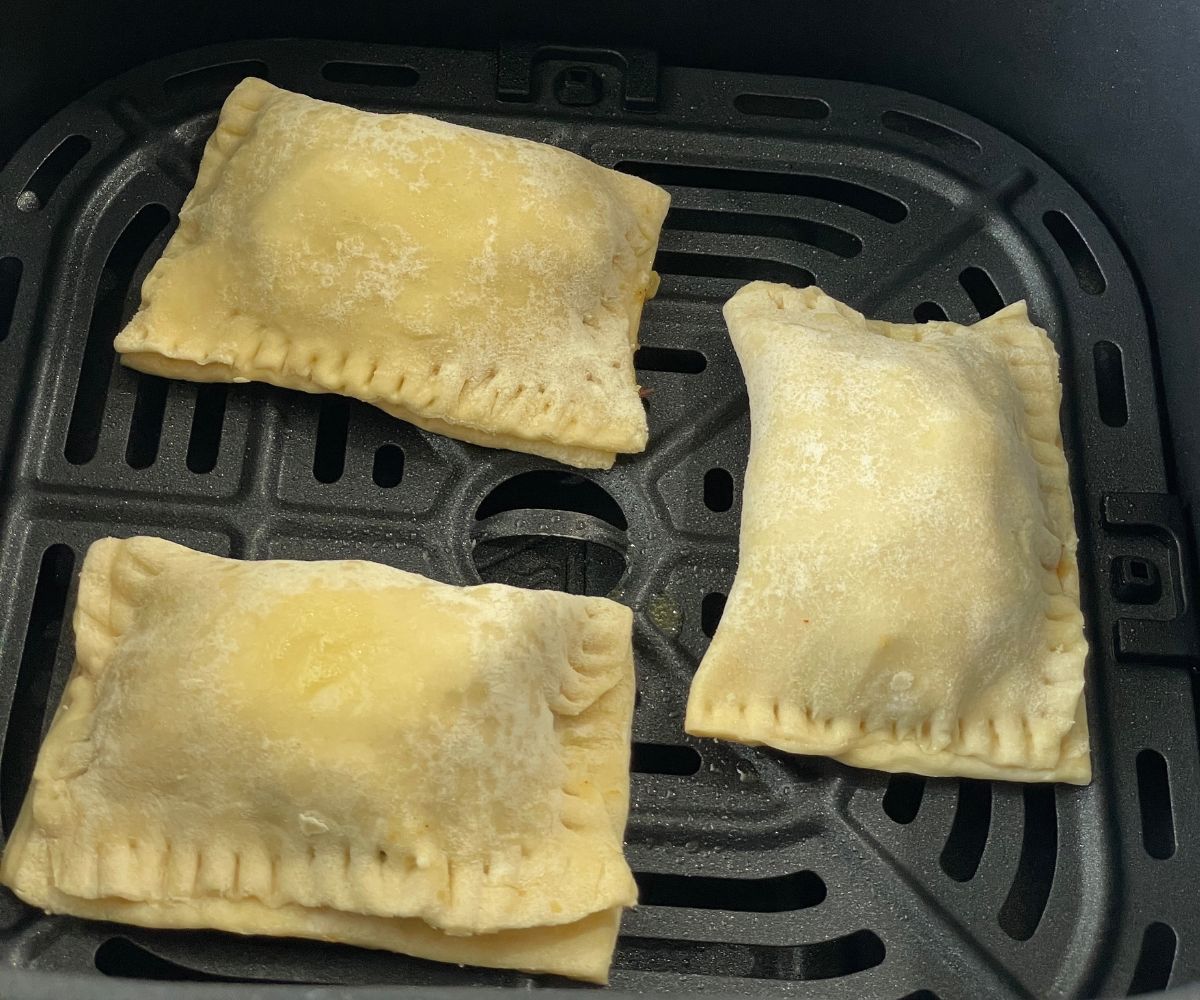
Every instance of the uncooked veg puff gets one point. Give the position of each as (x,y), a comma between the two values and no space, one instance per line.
(907,595)
(337,750)
(481,286)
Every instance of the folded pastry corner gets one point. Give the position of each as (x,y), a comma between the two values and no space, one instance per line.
(337,750)
(481,286)
(907,595)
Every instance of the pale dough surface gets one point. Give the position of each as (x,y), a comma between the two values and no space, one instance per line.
(338,750)
(907,596)
(481,286)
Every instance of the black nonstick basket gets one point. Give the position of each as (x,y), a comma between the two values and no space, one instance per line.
(760,873)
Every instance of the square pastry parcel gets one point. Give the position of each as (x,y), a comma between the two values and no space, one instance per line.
(341,751)
(907,596)
(481,286)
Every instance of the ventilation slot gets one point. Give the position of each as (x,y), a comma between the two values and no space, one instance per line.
(333,430)
(718,490)
(982,291)
(547,490)
(1110,383)
(1154,798)
(777,106)
(388,469)
(370,74)
(969,832)
(933,133)
(525,549)
(222,77)
(34,674)
(113,300)
(696,958)
(782,894)
(670,359)
(857,196)
(208,419)
(663,758)
(121,957)
(929,312)
(816,234)
(1155,961)
(711,609)
(902,798)
(840,956)
(703,265)
(541,561)
(145,427)
(53,171)
(1086,267)
(10,283)
(1022,910)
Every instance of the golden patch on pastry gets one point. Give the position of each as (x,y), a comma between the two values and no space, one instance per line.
(907,595)
(481,286)
(337,750)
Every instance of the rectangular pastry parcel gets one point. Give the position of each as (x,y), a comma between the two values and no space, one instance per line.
(341,751)
(481,286)
(907,595)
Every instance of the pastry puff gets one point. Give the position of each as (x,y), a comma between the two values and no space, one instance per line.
(337,750)
(481,286)
(907,596)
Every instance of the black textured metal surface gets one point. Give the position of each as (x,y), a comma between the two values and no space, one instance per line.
(759,872)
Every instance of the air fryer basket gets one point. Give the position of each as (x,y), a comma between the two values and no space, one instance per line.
(759,873)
